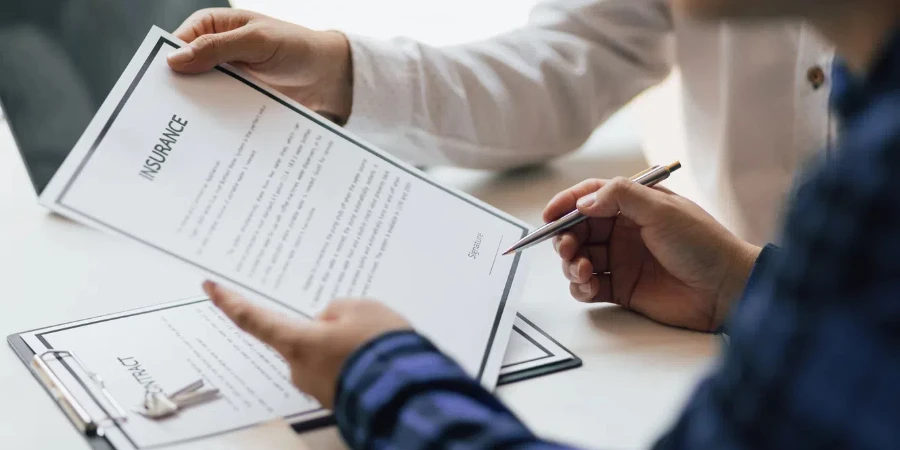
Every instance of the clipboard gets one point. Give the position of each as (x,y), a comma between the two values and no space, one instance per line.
(65,394)
(555,358)
(97,441)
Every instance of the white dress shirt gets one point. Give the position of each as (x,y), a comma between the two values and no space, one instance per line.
(755,98)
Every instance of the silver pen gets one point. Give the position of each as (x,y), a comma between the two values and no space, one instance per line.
(648,177)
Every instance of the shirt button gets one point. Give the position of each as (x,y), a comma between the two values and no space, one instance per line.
(816,77)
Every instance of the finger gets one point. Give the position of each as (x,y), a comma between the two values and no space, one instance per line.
(603,294)
(564,202)
(242,45)
(641,204)
(597,290)
(578,270)
(568,246)
(337,309)
(594,231)
(264,324)
(584,292)
(589,261)
(598,255)
(211,20)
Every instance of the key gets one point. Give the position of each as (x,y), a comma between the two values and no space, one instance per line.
(189,388)
(194,398)
(157,406)
(193,394)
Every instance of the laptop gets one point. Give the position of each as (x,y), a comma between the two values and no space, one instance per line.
(60,58)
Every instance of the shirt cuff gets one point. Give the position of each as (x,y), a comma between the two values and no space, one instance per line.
(381,376)
(383,85)
(762,262)
(757,274)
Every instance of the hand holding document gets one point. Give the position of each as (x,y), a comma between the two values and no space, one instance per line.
(316,352)
(263,196)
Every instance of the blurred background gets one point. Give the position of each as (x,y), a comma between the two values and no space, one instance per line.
(648,129)
(649,126)
(433,22)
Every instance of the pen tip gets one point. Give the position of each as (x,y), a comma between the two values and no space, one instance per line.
(674,166)
(509,251)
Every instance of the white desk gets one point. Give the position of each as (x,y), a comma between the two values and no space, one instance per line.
(635,377)
(636,374)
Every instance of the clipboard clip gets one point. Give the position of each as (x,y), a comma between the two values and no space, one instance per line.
(77,414)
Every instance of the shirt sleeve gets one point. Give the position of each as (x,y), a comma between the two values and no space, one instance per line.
(756,276)
(813,359)
(519,98)
(399,391)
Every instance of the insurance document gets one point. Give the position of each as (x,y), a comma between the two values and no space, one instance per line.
(226,175)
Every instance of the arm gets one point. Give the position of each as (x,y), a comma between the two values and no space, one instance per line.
(813,360)
(522,97)
(388,386)
(399,391)
(813,357)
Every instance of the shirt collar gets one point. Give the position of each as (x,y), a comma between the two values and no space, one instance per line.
(850,94)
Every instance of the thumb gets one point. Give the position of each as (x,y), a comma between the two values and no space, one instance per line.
(288,337)
(643,205)
(242,45)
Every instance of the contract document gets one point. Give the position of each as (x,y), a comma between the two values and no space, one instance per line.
(161,348)
(228,176)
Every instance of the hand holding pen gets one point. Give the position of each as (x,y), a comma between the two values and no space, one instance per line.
(648,177)
(651,251)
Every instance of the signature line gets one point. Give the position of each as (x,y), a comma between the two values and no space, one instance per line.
(495,256)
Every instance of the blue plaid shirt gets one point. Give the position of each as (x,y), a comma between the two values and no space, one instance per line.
(814,360)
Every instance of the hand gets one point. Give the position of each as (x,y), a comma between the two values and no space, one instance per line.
(315,351)
(311,67)
(667,258)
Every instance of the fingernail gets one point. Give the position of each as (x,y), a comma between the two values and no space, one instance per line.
(587,201)
(209,287)
(573,270)
(585,288)
(182,55)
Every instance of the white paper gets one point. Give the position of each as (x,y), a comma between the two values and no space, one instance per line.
(520,349)
(264,196)
(162,349)
(165,347)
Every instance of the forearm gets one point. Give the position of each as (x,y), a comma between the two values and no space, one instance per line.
(519,98)
(399,391)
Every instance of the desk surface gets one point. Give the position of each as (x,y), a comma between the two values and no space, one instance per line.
(635,377)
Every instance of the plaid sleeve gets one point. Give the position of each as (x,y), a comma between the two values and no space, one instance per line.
(814,360)
(756,276)
(399,391)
